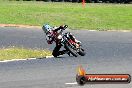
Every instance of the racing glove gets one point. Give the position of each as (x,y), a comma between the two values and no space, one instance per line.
(49,39)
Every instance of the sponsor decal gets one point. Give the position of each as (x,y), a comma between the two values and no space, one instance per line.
(83,78)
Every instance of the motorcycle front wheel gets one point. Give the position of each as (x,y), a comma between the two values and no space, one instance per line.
(72,51)
(81,52)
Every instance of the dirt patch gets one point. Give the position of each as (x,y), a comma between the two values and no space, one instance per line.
(19,25)
(39,27)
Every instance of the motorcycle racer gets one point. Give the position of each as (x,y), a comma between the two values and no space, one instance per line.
(52,33)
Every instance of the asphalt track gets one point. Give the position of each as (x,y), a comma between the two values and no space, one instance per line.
(107,52)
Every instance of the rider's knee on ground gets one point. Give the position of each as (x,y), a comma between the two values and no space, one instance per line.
(54,54)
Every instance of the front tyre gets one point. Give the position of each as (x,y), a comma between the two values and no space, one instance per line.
(72,51)
(81,52)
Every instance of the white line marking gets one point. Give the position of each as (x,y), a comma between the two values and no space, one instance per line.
(74,83)
(24,59)
(17,60)
(49,56)
(92,30)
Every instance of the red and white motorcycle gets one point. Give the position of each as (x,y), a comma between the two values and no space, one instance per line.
(71,46)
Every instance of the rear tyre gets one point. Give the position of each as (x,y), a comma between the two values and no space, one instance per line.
(72,51)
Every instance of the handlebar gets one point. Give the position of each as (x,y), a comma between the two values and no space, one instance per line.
(66,26)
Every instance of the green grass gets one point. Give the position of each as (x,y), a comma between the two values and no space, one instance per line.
(93,16)
(22,53)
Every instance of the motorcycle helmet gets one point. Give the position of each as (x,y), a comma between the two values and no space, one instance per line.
(46,28)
